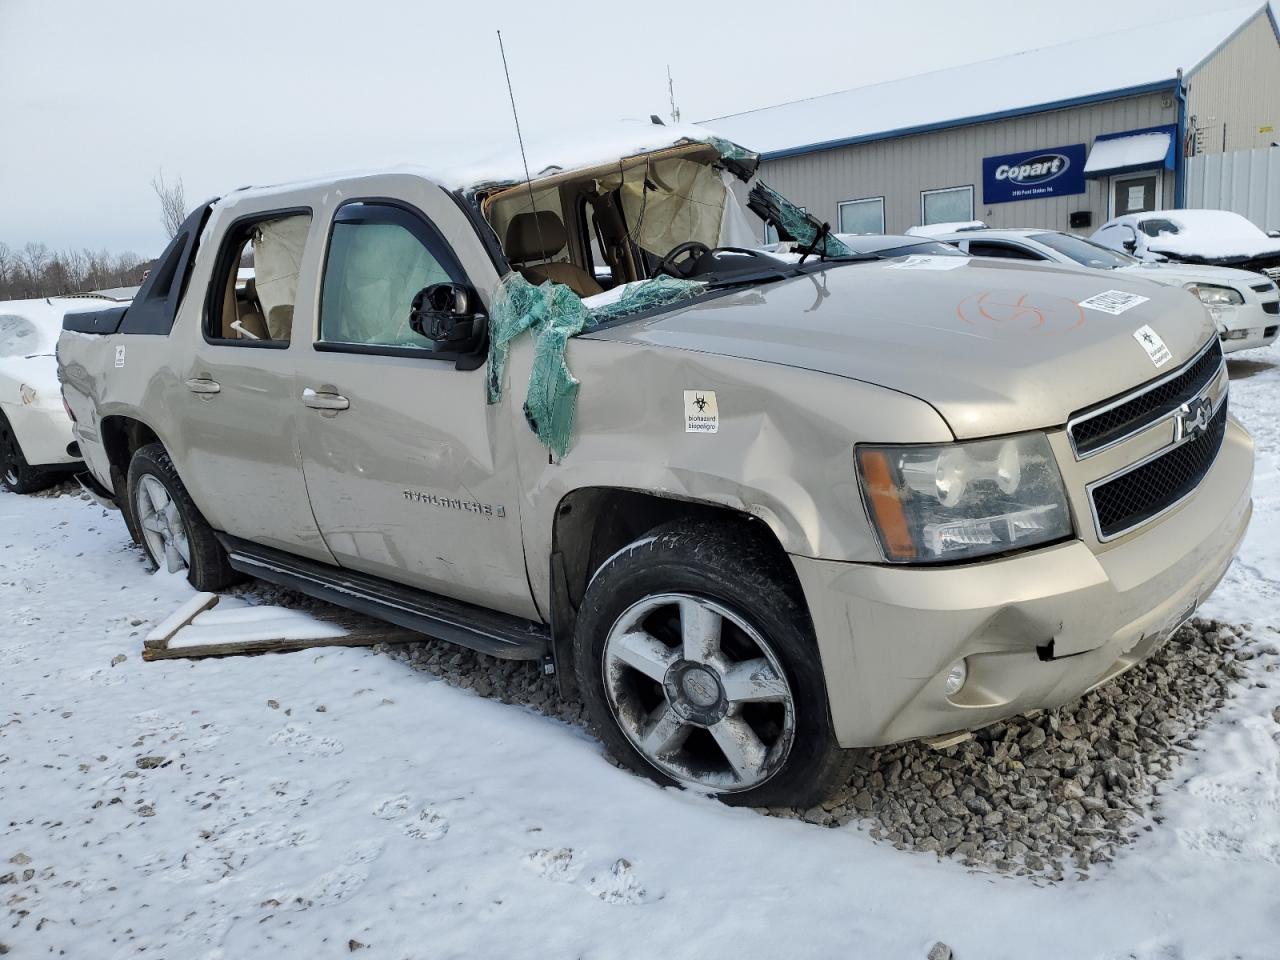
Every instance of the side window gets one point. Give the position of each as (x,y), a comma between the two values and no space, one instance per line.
(1153,228)
(987,248)
(380,257)
(255,282)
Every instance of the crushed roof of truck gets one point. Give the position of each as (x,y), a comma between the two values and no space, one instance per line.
(1091,68)
(575,150)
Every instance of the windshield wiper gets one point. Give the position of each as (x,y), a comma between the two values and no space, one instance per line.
(819,239)
(746,280)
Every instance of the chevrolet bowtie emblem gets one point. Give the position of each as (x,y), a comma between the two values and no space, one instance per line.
(1192,419)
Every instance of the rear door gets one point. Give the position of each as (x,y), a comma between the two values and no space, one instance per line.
(411,474)
(233,404)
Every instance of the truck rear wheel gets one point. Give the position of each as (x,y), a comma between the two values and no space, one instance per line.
(173,533)
(699,667)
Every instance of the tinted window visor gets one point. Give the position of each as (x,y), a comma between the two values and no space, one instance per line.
(1084,252)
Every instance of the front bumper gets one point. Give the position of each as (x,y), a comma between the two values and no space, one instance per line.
(888,635)
(43,433)
(1245,327)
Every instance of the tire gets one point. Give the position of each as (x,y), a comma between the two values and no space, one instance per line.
(16,475)
(173,533)
(661,590)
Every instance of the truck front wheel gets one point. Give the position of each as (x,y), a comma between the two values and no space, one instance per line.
(174,534)
(699,667)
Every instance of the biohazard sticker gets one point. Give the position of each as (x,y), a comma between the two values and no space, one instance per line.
(1151,342)
(701,414)
(1114,302)
(119,356)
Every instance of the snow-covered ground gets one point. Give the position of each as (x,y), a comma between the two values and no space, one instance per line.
(332,802)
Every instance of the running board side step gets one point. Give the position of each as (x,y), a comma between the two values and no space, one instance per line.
(480,629)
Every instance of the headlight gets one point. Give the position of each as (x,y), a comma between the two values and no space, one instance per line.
(956,501)
(1216,296)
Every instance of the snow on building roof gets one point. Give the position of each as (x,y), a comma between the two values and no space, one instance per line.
(1126,62)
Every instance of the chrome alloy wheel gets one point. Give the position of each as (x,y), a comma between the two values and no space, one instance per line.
(699,692)
(161,524)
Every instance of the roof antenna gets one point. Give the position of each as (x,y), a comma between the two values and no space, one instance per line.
(671,92)
(533,205)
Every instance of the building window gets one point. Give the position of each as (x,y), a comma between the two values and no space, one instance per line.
(952,205)
(861,216)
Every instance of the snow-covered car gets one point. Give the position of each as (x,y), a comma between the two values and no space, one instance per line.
(1245,306)
(1217,237)
(37,447)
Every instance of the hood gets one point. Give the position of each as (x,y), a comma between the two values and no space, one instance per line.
(1192,273)
(995,346)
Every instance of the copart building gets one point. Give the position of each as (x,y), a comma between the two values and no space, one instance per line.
(1063,137)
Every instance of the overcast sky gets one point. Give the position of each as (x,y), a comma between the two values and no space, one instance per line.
(97,96)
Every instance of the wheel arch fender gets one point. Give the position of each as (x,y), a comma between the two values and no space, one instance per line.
(592,524)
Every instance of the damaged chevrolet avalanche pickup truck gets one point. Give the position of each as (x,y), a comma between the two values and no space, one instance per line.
(754,509)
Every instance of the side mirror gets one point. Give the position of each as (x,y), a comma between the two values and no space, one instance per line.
(447,314)
(1130,245)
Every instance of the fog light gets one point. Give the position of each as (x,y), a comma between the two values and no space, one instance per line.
(956,677)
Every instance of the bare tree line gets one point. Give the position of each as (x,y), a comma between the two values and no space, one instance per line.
(35,271)
(173,203)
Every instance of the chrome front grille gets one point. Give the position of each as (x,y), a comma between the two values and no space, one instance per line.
(1273,273)
(1143,491)
(1098,428)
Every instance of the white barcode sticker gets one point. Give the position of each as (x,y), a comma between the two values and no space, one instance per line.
(1114,302)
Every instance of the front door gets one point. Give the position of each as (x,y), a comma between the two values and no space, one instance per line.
(236,448)
(411,474)
(1137,194)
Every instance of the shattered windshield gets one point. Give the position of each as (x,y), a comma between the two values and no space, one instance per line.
(685,212)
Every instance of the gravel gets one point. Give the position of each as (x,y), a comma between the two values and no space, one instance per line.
(1046,796)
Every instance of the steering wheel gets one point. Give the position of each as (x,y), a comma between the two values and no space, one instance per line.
(667,265)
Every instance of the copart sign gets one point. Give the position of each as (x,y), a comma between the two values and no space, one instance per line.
(1056,172)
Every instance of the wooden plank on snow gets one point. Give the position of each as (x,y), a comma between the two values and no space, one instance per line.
(360,632)
(363,638)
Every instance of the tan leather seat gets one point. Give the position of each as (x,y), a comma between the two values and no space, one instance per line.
(538,236)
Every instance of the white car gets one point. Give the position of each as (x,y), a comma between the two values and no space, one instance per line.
(1245,306)
(37,447)
(1216,237)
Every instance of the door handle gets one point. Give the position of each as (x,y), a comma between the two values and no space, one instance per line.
(203,385)
(324,401)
